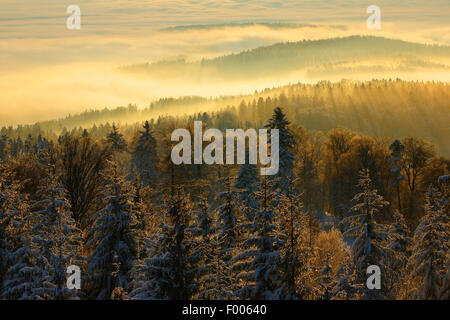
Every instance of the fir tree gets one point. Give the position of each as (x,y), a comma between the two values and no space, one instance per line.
(143,214)
(292,224)
(227,220)
(215,282)
(285,175)
(258,265)
(367,247)
(430,251)
(24,278)
(399,245)
(18,273)
(397,149)
(173,264)
(247,183)
(347,286)
(56,241)
(111,237)
(144,157)
(325,280)
(203,225)
(204,230)
(115,140)
(8,196)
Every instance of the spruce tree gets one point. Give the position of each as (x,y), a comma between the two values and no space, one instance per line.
(285,176)
(115,140)
(430,250)
(247,183)
(227,220)
(9,195)
(258,265)
(173,265)
(215,280)
(144,213)
(347,285)
(325,280)
(144,156)
(399,245)
(24,278)
(19,274)
(111,238)
(56,241)
(292,229)
(397,149)
(368,247)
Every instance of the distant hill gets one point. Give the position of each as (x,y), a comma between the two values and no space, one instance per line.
(337,56)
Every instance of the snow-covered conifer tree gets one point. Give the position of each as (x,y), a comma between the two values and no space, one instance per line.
(347,285)
(143,213)
(111,238)
(215,281)
(397,149)
(227,220)
(368,248)
(203,225)
(292,228)
(19,274)
(144,157)
(173,264)
(247,183)
(24,278)
(56,241)
(325,280)
(429,258)
(115,139)
(285,175)
(399,245)
(258,266)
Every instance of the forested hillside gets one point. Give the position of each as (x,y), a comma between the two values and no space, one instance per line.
(140,227)
(316,58)
(381,108)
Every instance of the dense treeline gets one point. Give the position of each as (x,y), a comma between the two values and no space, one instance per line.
(141,227)
(381,108)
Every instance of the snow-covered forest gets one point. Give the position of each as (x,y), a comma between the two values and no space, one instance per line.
(140,227)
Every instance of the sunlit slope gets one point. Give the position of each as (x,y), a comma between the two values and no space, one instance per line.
(319,59)
(383,108)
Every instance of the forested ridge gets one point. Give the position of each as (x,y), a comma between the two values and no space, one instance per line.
(381,108)
(359,54)
(141,227)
